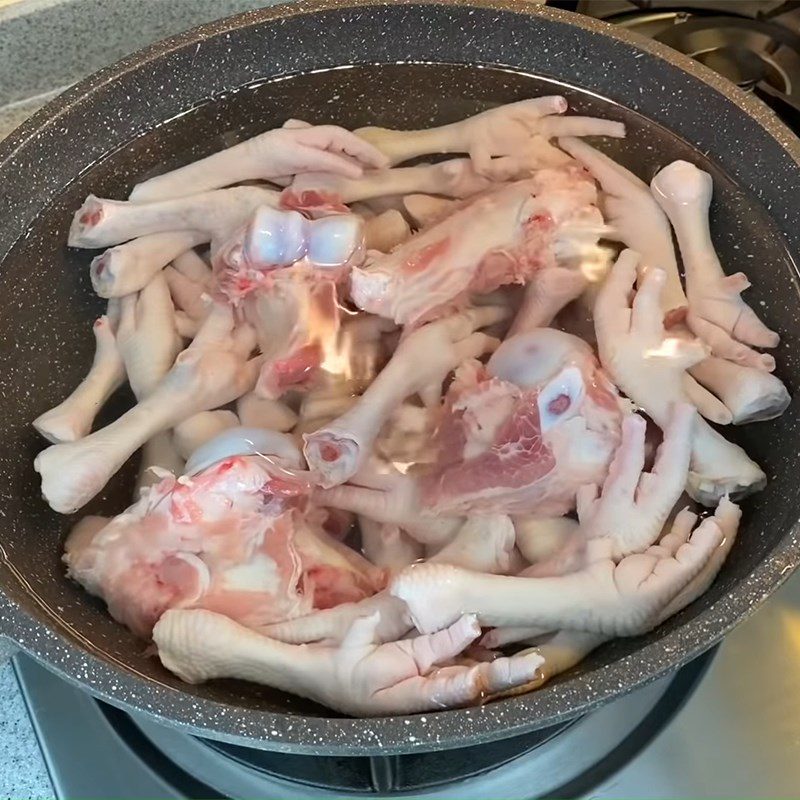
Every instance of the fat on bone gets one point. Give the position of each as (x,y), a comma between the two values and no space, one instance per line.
(212,371)
(624,599)
(72,419)
(648,366)
(129,267)
(275,448)
(356,676)
(272,154)
(337,451)
(102,223)
(716,313)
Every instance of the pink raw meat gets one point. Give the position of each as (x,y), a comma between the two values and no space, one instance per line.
(501,237)
(525,438)
(233,540)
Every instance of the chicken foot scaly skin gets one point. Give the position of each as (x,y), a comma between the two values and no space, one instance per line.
(356,677)
(337,451)
(130,267)
(751,395)
(102,223)
(493,139)
(631,509)
(568,647)
(211,372)
(615,599)
(648,367)
(149,342)
(272,154)
(636,220)
(717,313)
(72,419)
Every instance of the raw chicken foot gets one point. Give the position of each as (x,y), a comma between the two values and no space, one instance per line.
(494,139)
(212,371)
(638,222)
(72,419)
(648,366)
(102,223)
(357,677)
(624,599)
(633,506)
(717,313)
(456,178)
(485,544)
(272,154)
(129,267)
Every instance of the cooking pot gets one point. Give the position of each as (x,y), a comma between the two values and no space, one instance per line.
(398,64)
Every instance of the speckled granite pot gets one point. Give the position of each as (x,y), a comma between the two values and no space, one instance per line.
(130,120)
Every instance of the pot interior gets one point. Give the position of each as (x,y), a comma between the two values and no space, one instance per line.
(47,306)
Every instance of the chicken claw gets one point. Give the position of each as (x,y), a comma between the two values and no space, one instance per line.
(356,677)
(272,154)
(634,505)
(649,367)
(503,134)
(623,599)
(72,419)
(212,371)
(717,312)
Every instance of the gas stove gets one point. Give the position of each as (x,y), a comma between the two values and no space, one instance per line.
(686,735)
(755,44)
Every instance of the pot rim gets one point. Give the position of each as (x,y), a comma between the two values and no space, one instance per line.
(66,651)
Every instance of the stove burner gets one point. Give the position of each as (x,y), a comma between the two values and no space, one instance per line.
(759,54)
(384,774)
